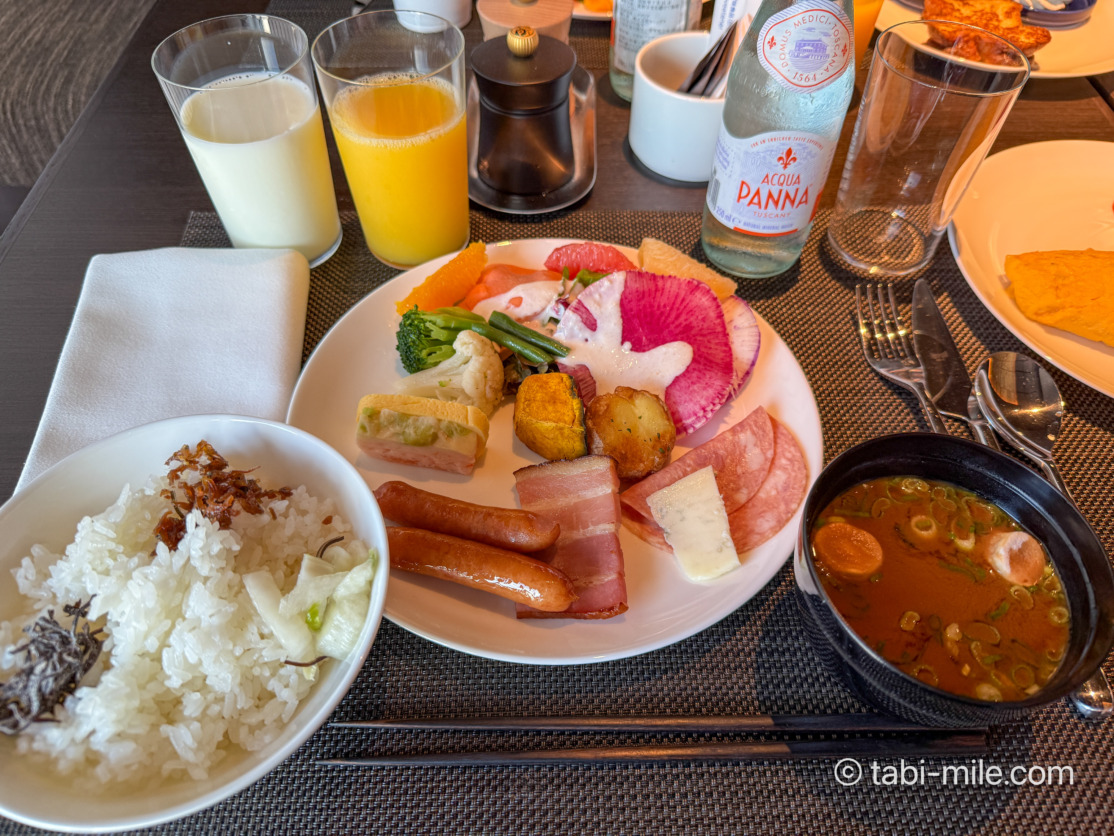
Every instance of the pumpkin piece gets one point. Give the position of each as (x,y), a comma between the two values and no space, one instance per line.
(549,416)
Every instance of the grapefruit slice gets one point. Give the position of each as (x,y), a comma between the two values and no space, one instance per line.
(587,255)
(656,256)
(664,334)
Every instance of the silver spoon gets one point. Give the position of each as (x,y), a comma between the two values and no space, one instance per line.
(1022,402)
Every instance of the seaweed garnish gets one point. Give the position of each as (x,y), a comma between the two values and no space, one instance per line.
(55,660)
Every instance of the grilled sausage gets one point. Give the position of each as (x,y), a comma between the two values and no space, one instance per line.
(523,579)
(506,528)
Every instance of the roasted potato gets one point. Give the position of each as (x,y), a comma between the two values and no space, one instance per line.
(634,428)
(549,416)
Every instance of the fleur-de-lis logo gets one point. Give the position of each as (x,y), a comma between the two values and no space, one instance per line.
(788,158)
(772,42)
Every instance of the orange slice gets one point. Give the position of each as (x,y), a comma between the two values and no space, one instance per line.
(450,282)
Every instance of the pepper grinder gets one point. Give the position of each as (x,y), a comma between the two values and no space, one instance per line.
(525,142)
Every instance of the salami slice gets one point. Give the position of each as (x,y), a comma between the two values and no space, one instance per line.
(778,498)
(740,457)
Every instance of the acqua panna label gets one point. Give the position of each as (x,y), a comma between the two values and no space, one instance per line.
(768,184)
(807,46)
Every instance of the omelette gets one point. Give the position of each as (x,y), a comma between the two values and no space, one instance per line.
(1068,289)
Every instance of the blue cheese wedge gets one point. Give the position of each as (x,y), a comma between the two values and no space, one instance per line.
(691,514)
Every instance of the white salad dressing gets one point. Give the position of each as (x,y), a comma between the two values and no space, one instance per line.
(523,302)
(611,360)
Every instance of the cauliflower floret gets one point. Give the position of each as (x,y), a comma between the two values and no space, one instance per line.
(473,376)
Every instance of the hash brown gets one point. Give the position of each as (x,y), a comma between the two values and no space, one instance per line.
(1001,17)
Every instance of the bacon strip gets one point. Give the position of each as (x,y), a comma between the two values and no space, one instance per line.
(581,496)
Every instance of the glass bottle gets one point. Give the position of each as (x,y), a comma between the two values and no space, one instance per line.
(787,96)
(635,23)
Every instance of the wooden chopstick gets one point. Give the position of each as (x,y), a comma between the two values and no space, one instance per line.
(711,724)
(951,744)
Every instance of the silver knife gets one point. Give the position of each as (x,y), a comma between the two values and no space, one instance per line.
(945,377)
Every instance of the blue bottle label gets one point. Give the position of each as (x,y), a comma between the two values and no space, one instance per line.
(807,46)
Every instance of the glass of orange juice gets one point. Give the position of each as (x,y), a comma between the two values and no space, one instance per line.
(866,15)
(393,83)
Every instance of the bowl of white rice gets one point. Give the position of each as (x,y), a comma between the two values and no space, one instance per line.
(192,698)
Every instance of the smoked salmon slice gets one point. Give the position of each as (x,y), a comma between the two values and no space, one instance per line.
(582,496)
(497,279)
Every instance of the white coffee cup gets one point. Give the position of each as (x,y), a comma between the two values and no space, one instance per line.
(457,12)
(672,133)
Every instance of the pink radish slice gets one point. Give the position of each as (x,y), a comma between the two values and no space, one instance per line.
(653,311)
(745,337)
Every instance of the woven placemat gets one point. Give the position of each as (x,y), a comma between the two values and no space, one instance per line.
(756,660)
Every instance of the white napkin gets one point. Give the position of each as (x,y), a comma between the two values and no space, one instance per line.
(177,331)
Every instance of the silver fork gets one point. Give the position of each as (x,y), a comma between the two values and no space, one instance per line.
(888,349)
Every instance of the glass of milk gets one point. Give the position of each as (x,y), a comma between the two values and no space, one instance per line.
(243,92)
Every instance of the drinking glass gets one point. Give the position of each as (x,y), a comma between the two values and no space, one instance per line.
(866,15)
(927,120)
(242,90)
(393,82)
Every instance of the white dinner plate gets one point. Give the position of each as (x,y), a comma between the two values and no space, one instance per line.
(1072,53)
(357,357)
(1042,196)
(581,13)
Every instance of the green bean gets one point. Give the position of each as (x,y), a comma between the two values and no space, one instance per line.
(500,320)
(531,354)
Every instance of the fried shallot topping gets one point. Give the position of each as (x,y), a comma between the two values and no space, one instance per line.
(55,660)
(201,479)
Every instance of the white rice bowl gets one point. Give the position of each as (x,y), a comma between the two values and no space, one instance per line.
(197,694)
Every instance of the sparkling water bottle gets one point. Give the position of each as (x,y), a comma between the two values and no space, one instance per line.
(787,96)
(634,23)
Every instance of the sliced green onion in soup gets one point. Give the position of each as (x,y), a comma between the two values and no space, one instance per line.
(980,631)
(923,527)
(1022,595)
(926,674)
(1023,676)
(989,693)
(880,506)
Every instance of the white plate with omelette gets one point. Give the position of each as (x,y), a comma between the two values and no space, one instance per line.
(1072,53)
(1037,197)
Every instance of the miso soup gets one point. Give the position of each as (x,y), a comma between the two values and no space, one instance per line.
(944,585)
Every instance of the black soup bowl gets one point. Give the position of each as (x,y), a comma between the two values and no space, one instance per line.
(1048,515)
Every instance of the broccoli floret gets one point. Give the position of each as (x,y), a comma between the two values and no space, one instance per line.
(472,376)
(425,338)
